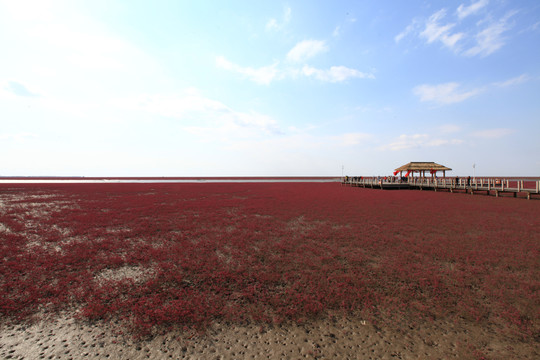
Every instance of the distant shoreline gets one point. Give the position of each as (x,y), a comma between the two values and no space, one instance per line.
(216,179)
(199,179)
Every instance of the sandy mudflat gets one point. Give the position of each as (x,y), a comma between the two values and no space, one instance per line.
(65,338)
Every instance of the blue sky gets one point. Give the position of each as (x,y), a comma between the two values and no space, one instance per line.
(202,88)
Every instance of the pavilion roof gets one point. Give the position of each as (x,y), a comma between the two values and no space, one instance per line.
(421,166)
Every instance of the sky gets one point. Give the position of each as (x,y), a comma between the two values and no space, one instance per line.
(268,88)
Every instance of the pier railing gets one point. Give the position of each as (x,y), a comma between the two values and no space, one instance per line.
(491,186)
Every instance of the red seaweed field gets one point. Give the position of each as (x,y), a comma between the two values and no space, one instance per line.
(158,257)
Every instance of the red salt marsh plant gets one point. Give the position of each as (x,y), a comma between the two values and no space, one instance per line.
(164,256)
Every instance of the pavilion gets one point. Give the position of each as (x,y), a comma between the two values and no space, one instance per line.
(421,168)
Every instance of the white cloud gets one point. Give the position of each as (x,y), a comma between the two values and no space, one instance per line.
(77,38)
(172,105)
(88,50)
(481,40)
(255,120)
(464,11)
(449,93)
(287,15)
(533,27)
(350,139)
(274,25)
(191,105)
(407,142)
(372,109)
(67,39)
(408,30)
(404,142)
(441,142)
(335,73)
(490,39)
(306,49)
(444,93)
(18,137)
(449,128)
(493,133)
(434,31)
(234,126)
(23,11)
(513,81)
(37,98)
(263,75)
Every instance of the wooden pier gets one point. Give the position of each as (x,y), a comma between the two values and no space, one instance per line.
(523,188)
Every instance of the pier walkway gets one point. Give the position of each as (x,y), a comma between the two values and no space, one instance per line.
(526,188)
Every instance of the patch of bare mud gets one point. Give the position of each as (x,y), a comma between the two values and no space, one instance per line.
(131,272)
(300,224)
(66,338)
(4,228)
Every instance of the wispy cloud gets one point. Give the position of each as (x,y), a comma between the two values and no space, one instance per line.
(435,31)
(72,37)
(483,39)
(404,142)
(262,75)
(513,81)
(355,138)
(300,53)
(18,137)
(274,25)
(463,11)
(306,49)
(533,27)
(235,126)
(493,133)
(448,93)
(177,105)
(411,28)
(190,104)
(335,73)
(490,39)
(449,128)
